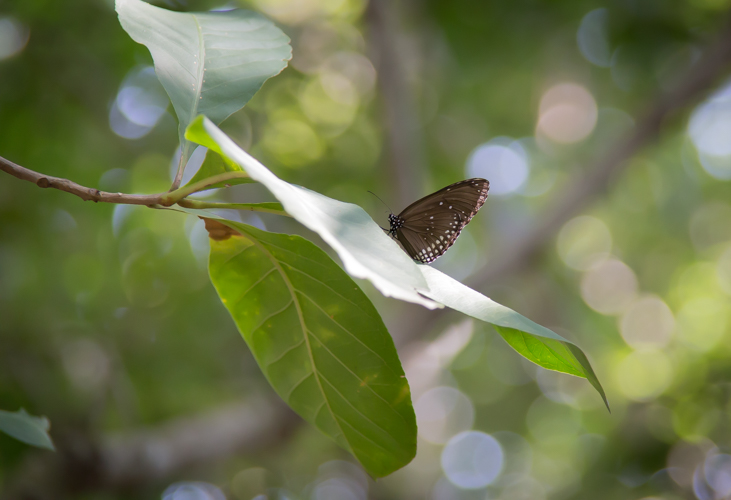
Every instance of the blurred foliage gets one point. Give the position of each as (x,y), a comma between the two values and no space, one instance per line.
(108,321)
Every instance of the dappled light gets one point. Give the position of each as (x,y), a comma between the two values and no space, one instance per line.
(567,113)
(442,412)
(502,160)
(14,36)
(140,104)
(709,129)
(593,37)
(300,11)
(193,491)
(609,287)
(330,100)
(710,225)
(583,242)
(702,322)
(643,374)
(292,142)
(472,460)
(648,322)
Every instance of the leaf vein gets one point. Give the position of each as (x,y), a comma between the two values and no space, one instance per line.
(341,326)
(283,354)
(270,316)
(254,284)
(303,326)
(299,383)
(362,382)
(330,288)
(358,411)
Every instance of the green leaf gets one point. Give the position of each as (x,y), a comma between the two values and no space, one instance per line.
(209,63)
(26,428)
(531,340)
(361,244)
(319,341)
(215,164)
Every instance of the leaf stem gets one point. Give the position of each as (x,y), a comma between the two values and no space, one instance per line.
(270,208)
(175,196)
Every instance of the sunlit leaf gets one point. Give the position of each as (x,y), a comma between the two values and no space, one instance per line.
(365,250)
(319,341)
(26,428)
(210,63)
(533,341)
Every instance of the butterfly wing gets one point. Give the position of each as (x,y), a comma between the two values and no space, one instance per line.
(429,226)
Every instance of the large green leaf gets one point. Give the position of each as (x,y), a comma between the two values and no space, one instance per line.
(210,63)
(26,428)
(319,341)
(365,250)
(533,341)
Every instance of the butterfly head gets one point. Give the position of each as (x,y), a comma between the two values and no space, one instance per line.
(395,222)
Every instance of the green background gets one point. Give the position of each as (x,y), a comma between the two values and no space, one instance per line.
(109,325)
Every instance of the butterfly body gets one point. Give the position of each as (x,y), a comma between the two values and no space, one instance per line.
(429,226)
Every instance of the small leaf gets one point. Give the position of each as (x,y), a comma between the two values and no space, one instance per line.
(210,63)
(26,428)
(531,340)
(215,164)
(319,341)
(361,244)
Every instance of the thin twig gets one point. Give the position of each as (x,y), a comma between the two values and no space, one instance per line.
(85,193)
(151,200)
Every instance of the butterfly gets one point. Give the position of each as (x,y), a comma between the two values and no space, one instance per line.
(429,226)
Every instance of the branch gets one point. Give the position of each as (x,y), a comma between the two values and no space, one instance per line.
(151,200)
(85,193)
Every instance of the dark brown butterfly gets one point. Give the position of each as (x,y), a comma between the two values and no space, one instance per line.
(429,226)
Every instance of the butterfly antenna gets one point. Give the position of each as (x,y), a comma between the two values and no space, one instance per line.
(379,199)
